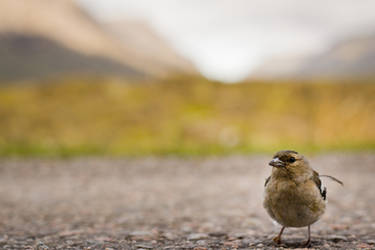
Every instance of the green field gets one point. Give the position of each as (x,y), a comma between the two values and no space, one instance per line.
(184,116)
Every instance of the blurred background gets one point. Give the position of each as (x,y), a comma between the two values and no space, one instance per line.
(138,77)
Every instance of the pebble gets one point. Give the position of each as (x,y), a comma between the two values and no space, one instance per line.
(339,227)
(201,242)
(326,246)
(140,233)
(144,246)
(197,236)
(169,236)
(186,228)
(217,234)
(188,245)
(239,235)
(364,245)
(371,242)
(337,238)
(69,242)
(255,242)
(246,242)
(228,243)
(41,246)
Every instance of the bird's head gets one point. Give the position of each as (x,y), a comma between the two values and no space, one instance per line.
(289,160)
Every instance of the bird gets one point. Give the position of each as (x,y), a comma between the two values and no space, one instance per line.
(294,196)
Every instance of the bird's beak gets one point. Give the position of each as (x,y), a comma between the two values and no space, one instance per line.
(276,163)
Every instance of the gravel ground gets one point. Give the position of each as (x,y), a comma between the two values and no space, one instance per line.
(173,203)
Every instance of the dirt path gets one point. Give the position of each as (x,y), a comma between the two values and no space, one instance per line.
(172,203)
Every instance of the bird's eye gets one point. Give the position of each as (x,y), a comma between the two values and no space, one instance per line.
(291,159)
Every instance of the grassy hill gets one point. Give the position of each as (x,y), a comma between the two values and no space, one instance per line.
(186,116)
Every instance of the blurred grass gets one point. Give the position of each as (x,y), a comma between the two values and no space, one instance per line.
(184,116)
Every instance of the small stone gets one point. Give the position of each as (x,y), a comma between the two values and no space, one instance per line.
(250,232)
(336,238)
(217,234)
(41,246)
(144,246)
(98,239)
(228,243)
(364,245)
(255,242)
(339,227)
(260,245)
(169,236)
(246,242)
(109,248)
(236,243)
(197,236)
(372,242)
(186,228)
(188,245)
(231,238)
(69,242)
(200,248)
(140,233)
(201,242)
(239,235)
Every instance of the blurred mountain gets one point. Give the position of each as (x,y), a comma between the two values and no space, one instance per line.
(353,57)
(139,37)
(27,56)
(279,67)
(40,38)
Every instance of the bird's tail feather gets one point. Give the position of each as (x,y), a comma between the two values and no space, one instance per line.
(333,178)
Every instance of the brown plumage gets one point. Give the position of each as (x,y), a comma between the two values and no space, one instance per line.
(294,196)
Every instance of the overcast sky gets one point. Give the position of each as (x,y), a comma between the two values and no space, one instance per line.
(226,39)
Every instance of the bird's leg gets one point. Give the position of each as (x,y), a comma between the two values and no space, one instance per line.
(277,239)
(307,243)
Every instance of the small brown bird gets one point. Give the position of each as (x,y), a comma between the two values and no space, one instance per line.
(294,196)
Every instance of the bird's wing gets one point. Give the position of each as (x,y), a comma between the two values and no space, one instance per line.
(318,183)
(267,180)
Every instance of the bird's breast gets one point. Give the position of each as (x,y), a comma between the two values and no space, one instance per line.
(292,204)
